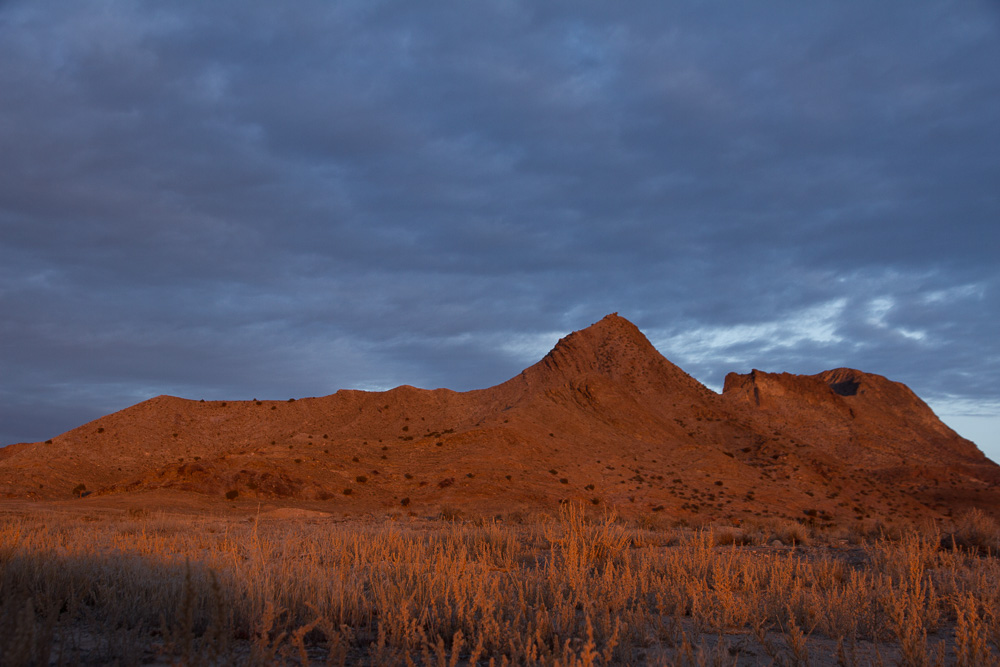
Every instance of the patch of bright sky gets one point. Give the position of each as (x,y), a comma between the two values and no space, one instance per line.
(974,420)
(975,290)
(817,324)
(879,308)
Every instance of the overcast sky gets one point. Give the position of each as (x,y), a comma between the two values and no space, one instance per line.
(273,200)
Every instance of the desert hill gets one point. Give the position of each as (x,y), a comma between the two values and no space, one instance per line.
(603,418)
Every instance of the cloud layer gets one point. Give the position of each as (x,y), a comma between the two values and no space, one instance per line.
(254,199)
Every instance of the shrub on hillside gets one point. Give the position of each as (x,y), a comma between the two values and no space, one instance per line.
(975,530)
(792,532)
(450,514)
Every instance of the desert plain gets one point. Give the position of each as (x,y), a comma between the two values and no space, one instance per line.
(601,507)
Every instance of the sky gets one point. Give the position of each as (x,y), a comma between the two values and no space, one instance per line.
(236,200)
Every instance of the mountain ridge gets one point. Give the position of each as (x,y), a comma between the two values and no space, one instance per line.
(602,418)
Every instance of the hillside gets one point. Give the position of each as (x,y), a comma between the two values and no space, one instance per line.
(602,418)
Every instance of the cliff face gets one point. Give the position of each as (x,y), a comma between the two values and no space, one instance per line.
(861,417)
(602,418)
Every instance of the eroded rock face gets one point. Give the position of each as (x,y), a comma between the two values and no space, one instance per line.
(859,416)
(603,418)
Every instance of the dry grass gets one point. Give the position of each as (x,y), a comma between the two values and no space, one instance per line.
(568,590)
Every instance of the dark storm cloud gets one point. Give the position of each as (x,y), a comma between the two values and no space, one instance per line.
(281,200)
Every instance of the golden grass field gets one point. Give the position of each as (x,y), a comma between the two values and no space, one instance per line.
(575,588)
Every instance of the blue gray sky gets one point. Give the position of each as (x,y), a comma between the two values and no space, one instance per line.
(245,199)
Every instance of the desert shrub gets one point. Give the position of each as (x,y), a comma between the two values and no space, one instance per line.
(446,482)
(449,513)
(405,502)
(348,491)
(360,479)
(726,535)
(975,530)
(231,494)
(791,532)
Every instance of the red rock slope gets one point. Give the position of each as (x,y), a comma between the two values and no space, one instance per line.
(603,418)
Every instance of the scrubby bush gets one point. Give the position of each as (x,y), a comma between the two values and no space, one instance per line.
(450,514)
(792,532)
(975,530)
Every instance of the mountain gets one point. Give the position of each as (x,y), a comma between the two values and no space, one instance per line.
(603,418)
